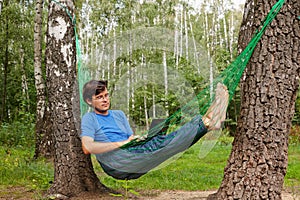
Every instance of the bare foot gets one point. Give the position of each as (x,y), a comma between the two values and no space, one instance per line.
(216,113)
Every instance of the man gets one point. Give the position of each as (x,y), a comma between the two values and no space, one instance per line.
(104,131)
(115,130)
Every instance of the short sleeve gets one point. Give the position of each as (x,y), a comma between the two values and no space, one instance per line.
(88,126)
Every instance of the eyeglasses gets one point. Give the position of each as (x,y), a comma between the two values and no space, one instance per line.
(101,97)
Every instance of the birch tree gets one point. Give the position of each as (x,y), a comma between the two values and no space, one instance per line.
(43,140)
(73,171)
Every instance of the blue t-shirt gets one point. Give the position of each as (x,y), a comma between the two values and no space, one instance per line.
(113,127)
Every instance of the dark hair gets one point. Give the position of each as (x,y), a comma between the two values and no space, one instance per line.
(93,87)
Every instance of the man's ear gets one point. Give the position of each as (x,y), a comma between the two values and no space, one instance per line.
(89,102)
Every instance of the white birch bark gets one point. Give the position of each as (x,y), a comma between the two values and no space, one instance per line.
(181,31)
(166,81)
(24,78)
(129,75)
(196,56)
(208,46)
(218,28)
(225,25)
(100,60)
(186,35)
(153,104)
(108,67)
(92,49)
(146,113)
(86,44)
(1,3)
(38,74)
(231,35)
(114,54)
(176,39)
(214,39)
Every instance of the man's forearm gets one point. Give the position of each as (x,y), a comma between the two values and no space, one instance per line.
(101,147)
(92,147)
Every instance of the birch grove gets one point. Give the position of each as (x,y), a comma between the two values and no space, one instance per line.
(192,35)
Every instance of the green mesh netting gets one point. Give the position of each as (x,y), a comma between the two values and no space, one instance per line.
(200,104)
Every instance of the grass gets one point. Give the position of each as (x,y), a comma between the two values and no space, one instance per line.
(292,178)
(191,173)
(188,172)
(17,168)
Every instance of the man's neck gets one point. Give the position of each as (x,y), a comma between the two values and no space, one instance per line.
(101,112)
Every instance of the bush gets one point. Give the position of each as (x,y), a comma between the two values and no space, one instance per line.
(18,133)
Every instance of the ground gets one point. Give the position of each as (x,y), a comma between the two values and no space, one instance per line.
(22,193)
(174,195)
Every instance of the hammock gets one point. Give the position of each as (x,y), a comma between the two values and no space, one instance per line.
(132,160)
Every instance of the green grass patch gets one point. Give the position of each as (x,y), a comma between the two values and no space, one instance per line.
(292,177)
(19,169)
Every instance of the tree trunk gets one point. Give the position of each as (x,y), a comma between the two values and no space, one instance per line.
(186,32)
(73,171)
(196,57)
(258,161)
(4,115)
(24,85)
(43,140)
(166,82)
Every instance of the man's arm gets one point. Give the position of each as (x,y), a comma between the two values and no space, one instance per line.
(89,146)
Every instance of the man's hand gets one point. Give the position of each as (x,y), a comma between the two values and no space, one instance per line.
(126,141)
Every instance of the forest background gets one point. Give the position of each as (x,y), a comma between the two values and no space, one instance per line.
(213,26)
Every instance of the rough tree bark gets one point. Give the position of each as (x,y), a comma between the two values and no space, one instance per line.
(258,161)
(73,170)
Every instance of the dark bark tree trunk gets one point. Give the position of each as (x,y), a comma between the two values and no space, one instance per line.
(73,170)
(258,161)
(4,114)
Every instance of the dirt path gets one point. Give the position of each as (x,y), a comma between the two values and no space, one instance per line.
(23,194)
(193,195)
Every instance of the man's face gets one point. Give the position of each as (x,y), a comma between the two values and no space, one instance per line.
(101,102)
